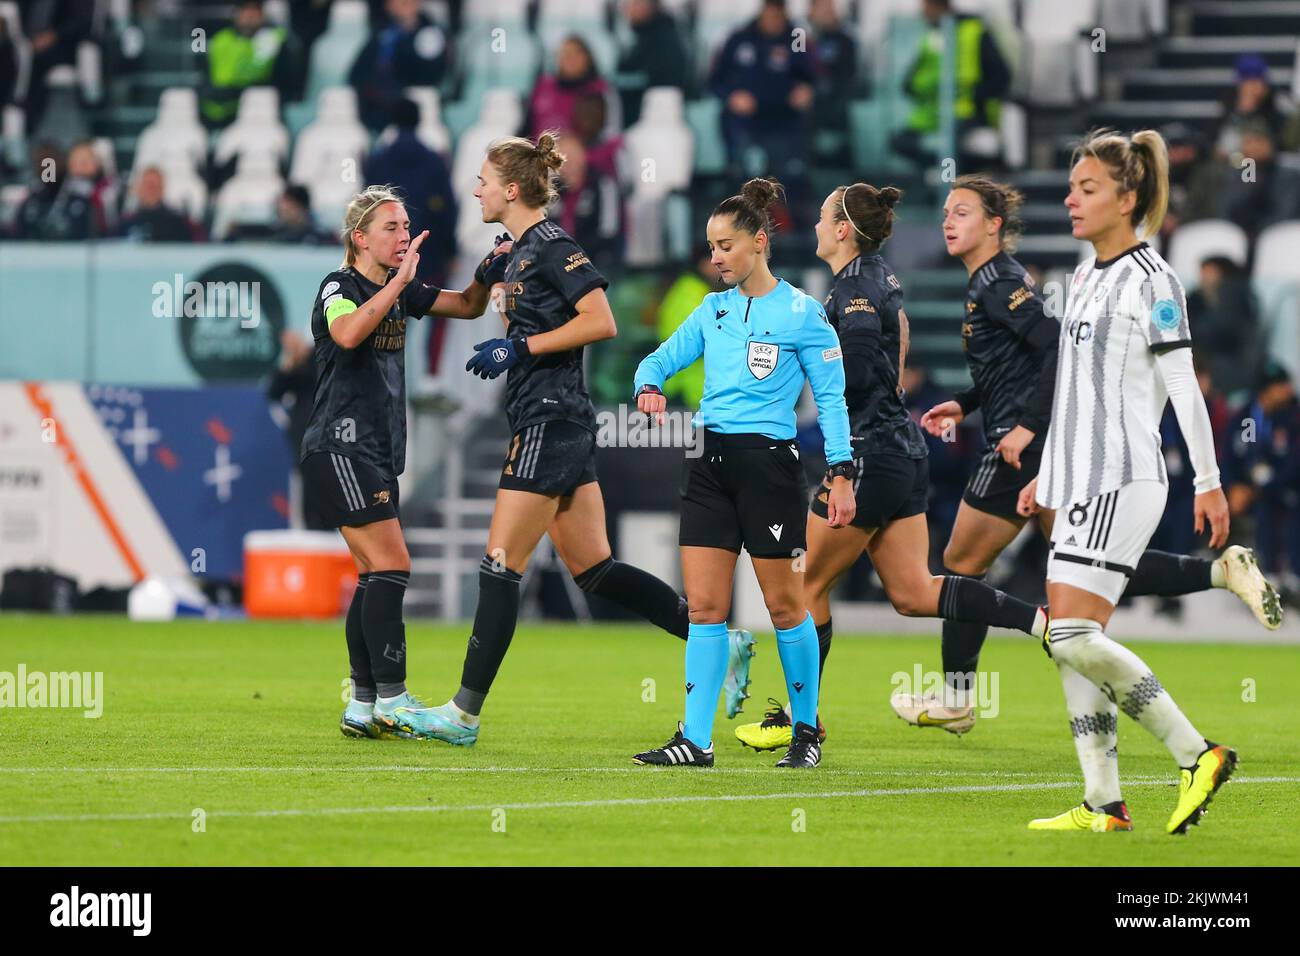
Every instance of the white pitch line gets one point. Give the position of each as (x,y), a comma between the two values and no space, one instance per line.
(568,804)
(494,769)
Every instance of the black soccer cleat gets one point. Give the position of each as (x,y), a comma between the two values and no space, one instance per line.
(805,749)
(678,752)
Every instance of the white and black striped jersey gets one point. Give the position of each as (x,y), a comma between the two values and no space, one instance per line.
(1109,396)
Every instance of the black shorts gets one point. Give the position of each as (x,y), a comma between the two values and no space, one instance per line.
(745,490)
(341,492)
(551,459)
(888,488)
(995,486)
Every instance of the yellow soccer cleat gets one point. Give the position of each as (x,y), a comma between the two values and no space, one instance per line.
(929,711)
(1198,785)
(1242,576)
(773,732)
(1083,817)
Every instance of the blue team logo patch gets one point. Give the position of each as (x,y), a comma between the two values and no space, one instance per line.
(1167,314)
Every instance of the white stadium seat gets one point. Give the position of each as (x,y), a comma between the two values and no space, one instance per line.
(501,114)
(248,197)
(1059,66)
(335,50)
(1194,242)
(328,153)
(256,129)
(431,131)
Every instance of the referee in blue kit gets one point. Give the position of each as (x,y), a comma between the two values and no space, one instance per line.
(760,338)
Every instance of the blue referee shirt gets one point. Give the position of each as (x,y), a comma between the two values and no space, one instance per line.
(757,353)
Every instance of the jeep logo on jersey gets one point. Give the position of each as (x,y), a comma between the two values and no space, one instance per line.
(499,354)
(762,358)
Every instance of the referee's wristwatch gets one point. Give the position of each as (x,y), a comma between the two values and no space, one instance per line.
(843,469)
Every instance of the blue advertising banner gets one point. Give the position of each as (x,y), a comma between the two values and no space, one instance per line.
(212,461)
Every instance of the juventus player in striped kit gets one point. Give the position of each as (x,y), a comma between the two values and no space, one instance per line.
(1124,352)
(1011,344)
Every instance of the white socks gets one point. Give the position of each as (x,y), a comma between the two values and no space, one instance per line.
(1125,679)
(1093,724)
(1218,573)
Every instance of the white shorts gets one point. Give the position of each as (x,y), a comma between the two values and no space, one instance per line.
(1096,544)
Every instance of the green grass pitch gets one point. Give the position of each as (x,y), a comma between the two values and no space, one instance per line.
(239,720)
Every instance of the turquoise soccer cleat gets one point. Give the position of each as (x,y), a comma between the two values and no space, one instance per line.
(384,717)
(435,723)
(358,721)
(736,686)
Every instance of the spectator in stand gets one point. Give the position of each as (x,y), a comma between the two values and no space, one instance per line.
(837,66)
(422,177)
(557,94)
(246,53)
(410,50)
(767,90)
(1193,178)
(54,28)
(294,222)
(588,208)
(1250,103)
(982,79)
(76,209)
(591,127)
(1227,327)
(42,189)
(152,220)
(656,57)
(1262,472)
(1256,190)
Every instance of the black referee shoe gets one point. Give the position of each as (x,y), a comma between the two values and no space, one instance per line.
(678,752)
(805,749)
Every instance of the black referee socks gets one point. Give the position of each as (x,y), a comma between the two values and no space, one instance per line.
(494,628)
(640,592)
(385,634)
(1169,575)
(363,681)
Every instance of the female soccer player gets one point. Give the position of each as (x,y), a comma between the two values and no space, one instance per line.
(1125,351)
(355,443)
(892,487)
(760,338)
(554,304)
(1011,352)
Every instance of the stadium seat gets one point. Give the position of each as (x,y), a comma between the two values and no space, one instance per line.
(658,156)
(185,190)
(175,129)
(498,55)
(328,154)
(1277,281)
(335,50)
(257,128)
(1194,242)
(248,197)
(495,12)
(557,19)
(501,115)
(13,135)
(1059,66)
(431,130)
(703,116)
(22,48)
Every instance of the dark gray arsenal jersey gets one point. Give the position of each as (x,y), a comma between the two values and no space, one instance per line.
(546,276)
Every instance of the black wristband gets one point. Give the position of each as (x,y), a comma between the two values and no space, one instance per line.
(652,389)
(521,347)
(843,469)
